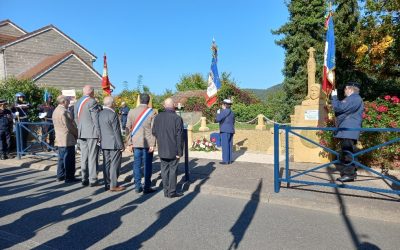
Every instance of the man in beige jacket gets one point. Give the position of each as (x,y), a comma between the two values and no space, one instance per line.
(142,142)
(66,136)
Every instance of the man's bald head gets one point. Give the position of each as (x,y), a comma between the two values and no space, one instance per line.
(108,101)
(88,90)
(169,103)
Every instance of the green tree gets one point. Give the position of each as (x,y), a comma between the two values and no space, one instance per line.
(275,101)
(34,94)
(191,82)
(346,17)
(377,47)
(304,29)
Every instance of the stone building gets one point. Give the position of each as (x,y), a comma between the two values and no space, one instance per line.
(47,56)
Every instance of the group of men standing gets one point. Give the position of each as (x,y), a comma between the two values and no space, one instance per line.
(98,128)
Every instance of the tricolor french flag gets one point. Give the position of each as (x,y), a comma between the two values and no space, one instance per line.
(328,81)
(213,78)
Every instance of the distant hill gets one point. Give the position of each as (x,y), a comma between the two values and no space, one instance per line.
(262,93)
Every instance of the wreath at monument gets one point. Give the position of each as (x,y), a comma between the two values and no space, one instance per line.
(204,145)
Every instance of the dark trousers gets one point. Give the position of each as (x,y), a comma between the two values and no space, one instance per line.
(66,163)
(169,172)
(5,137)
(227,147)
(345,158)
(142,155)
(111,166)
(51,135)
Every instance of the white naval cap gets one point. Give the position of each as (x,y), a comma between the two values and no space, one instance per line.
(227,101)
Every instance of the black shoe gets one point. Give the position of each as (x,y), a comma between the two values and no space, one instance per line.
(94,184)
(106,188)
(138,191)
(72,180)
(175,195)
(346,178)
(149,191)
(85,183)
(60,179)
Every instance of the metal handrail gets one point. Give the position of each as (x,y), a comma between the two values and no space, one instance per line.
(291,179)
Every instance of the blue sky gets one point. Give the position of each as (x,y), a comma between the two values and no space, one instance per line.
(162,40)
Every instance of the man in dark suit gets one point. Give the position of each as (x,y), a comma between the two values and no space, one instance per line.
(226,120)
(87,119)
(6,125)
(348,114)
(112,144)
(168,130)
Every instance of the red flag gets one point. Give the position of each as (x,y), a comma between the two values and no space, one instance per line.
(105,83)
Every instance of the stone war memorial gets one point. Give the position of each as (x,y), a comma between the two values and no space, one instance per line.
(311,113)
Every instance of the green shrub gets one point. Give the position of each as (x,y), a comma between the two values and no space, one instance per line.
(34,94)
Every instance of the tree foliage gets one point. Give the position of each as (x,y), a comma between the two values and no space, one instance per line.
(304,29)
(34,94)
(191,82)
(377,47)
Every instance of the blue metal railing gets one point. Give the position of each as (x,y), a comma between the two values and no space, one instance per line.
(39,139)
(278,179)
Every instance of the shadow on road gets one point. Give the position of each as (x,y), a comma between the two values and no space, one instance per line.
(243,222)
(350,228)
(165,216)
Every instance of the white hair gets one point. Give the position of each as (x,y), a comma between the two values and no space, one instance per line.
(169,103)
(87,90)
(108,101)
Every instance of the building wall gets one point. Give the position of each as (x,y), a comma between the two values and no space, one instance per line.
(2,72)
(10,30)
(70,74)
(26,54)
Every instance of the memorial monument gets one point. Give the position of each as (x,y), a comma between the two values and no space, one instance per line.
(311,113)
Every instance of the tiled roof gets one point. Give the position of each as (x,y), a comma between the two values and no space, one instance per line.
(8,21)
(181,97)
(4,39)
(48,27)
(50,62)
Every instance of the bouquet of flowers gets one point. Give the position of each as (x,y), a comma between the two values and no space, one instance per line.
(204,145)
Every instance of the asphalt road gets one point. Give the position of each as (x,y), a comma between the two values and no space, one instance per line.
(36,212)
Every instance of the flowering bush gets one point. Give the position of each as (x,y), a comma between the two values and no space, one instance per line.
(381,113)
(204,145)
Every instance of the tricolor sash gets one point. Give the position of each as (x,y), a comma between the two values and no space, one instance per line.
(81,104)
(139,121)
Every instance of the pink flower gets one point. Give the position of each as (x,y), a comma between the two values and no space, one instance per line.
(364,115)
(382,109)
(387,97)
(373,105)
(213,139)
(393,124)
(379,117)
(395,99)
